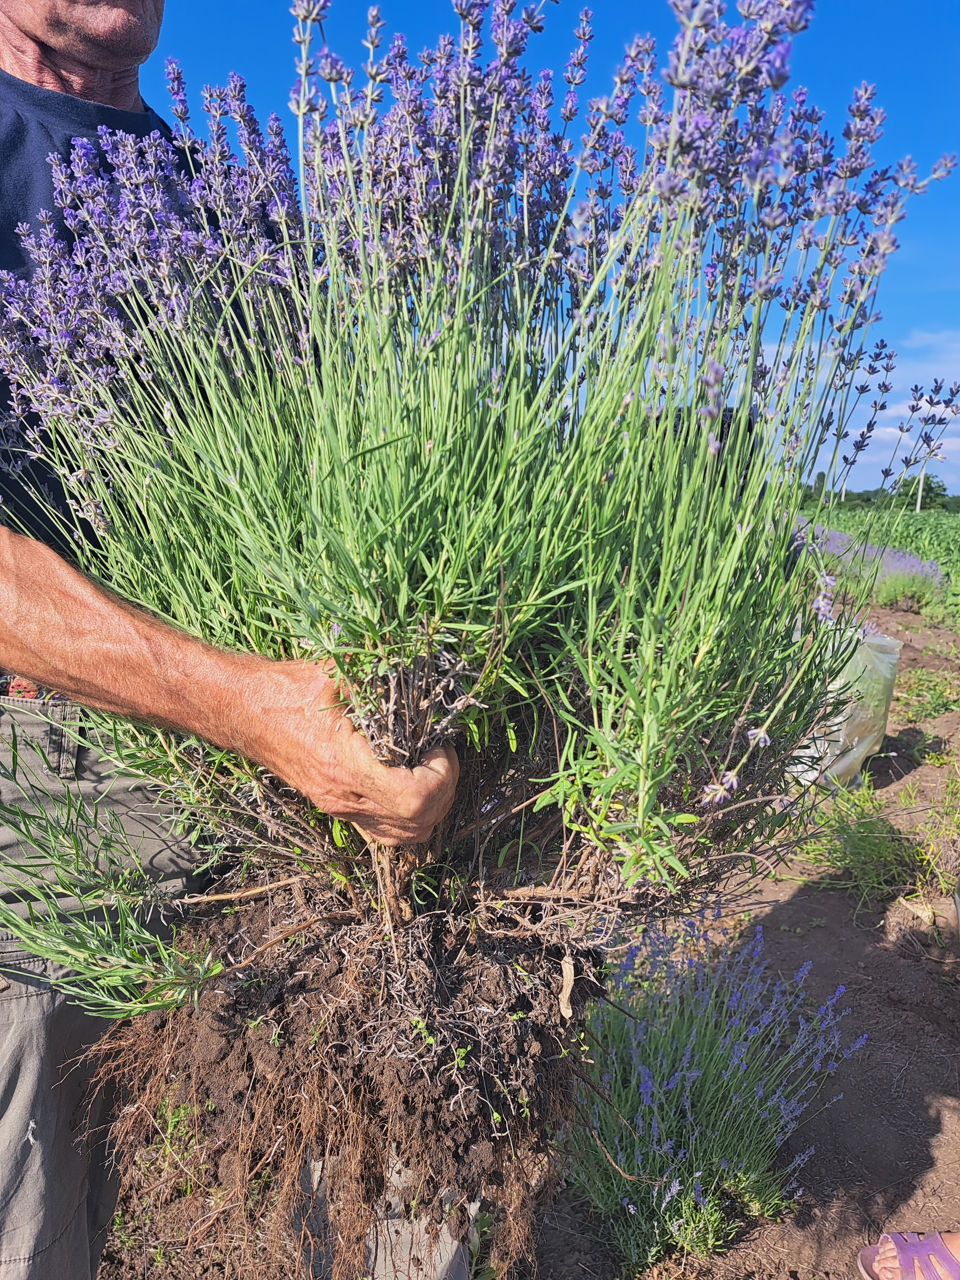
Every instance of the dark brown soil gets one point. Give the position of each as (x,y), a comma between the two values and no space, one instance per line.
(425,1055)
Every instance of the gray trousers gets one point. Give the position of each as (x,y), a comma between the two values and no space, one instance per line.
(56,1195)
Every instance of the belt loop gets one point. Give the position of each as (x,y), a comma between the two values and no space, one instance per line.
(64,738)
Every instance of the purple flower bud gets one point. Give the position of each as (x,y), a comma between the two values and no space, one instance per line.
(310,10)
(331,68)
(175,87)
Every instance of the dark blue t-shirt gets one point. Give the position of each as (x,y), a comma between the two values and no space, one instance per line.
(33,124)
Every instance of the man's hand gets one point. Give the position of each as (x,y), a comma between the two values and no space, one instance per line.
(58,628)
(299,732)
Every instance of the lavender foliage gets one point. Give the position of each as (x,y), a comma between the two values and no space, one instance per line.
(706,1063)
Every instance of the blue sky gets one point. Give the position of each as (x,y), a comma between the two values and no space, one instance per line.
(909,50)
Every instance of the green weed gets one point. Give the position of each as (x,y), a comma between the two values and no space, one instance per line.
(925,695)
(120,1231)
(176,1142)
(948,650)
(174,1122)
(861,851)
(419,1026)
(480,1268)
(930,750)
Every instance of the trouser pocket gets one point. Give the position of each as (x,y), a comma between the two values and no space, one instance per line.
(44,732)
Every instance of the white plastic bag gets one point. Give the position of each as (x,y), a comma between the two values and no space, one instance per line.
(841,749)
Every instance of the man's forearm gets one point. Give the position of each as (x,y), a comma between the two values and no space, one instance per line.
(63,631)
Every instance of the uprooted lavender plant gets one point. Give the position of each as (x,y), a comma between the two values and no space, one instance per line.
(512,427)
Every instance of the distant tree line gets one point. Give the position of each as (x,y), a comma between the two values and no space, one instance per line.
(934,496)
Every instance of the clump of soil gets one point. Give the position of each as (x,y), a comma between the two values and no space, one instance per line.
(433,1055)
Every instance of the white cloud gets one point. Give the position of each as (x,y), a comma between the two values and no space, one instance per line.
(943,345)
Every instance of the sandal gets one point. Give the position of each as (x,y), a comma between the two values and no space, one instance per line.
(913,1248)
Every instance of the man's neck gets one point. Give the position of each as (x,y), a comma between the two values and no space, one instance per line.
(40,66)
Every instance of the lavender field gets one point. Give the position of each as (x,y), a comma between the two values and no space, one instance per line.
(917,552)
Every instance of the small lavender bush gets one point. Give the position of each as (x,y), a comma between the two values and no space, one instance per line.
(705,1063)
(907,590)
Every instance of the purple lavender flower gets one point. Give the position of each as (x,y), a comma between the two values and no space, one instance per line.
(717,792)
(310,11)
(734,1041)
(177,91)
(823,601)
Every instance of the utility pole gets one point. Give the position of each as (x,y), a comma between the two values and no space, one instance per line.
(923,467)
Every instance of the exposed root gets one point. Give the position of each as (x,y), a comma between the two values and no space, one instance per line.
(440,1059)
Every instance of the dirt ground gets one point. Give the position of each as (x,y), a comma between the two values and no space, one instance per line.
(887,1155)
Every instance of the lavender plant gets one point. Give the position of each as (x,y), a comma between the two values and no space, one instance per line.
(892,577)
(348,397)
(910,544)
(510,421)
(708,1064)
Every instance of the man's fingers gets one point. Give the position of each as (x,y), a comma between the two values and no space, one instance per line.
(413,801)
(443,763)
(437,782)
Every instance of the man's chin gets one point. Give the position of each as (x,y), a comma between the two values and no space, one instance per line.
(112,34)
